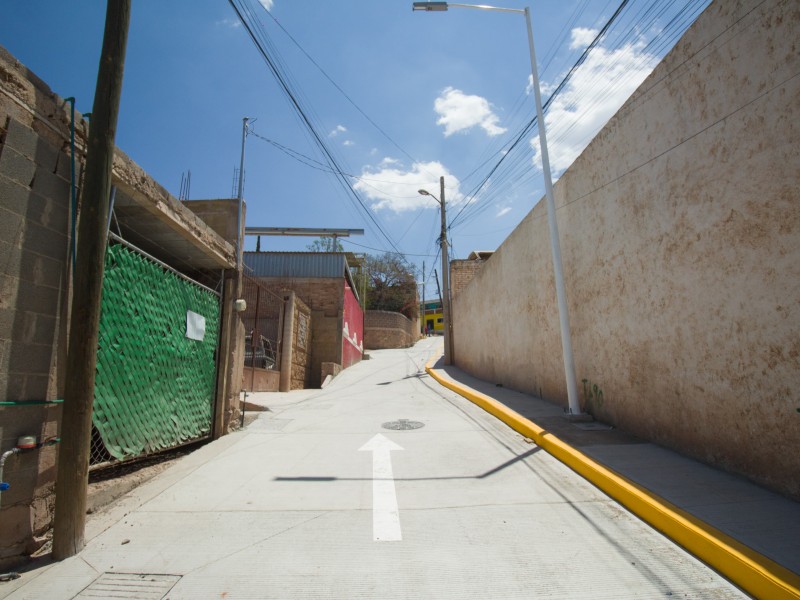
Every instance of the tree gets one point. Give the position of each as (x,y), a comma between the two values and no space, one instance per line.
(391,284)
(325,244)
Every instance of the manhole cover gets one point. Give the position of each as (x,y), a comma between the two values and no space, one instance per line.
(130,586)
(402,424)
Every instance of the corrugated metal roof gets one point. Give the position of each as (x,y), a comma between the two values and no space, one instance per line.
(295,264)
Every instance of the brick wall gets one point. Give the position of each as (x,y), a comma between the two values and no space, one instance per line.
(461,273)
(385,329)
(324,297)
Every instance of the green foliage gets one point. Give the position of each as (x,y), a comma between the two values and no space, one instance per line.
(592,395)
(390,284)
(325,244)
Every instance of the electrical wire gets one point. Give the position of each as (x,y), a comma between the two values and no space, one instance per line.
(257,34)
(629,22)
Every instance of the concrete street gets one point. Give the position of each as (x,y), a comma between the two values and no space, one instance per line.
(308,503)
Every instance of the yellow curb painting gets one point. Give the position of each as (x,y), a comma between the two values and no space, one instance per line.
(753,572)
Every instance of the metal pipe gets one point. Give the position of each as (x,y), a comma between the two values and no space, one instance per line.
(29,402)
(3,485)
(240,196)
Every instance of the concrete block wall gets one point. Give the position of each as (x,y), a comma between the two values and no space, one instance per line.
(301,355)
(35,229)
(326,344)
(386,329)
(34,245)
(324,297)
(680,236)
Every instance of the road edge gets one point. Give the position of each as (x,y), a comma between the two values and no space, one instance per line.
(748,569)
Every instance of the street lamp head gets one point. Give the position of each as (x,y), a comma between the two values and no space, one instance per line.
(430,6)
(425,192)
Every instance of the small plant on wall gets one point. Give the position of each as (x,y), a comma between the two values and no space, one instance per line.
(592,396)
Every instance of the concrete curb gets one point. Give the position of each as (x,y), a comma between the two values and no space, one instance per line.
(753,572)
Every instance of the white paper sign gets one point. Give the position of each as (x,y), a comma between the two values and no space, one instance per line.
(195,326)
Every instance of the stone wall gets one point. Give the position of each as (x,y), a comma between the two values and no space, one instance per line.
(385,329)
(680,235)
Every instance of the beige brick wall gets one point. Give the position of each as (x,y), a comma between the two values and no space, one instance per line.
(461,273)
(385,329)
(324,297)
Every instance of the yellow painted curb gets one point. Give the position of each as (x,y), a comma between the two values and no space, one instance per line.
(753,572)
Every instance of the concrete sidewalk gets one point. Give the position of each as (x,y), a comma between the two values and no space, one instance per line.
(764,522)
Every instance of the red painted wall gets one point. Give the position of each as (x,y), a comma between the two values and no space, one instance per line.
(353,329)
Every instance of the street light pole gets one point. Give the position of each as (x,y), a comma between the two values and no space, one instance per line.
(240,197)
(561,294)
(448,341)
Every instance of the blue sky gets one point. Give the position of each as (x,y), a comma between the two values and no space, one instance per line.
(399,98)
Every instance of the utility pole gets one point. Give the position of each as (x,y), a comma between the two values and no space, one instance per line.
(240,197)
(448,341)
(424,322)
(76,421)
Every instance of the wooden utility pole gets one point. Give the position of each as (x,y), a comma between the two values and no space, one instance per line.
(424,321)
(76,420)
(448,339)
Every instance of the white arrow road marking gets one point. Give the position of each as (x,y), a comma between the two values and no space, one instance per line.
(385,514)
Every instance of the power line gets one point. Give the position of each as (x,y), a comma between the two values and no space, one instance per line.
(283,79)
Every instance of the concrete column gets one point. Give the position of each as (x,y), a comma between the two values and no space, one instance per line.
(226,388)
(287,344)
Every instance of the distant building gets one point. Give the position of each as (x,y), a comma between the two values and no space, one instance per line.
(322,280)
(433,316)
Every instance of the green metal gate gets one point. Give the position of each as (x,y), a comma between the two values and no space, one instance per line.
(156,363)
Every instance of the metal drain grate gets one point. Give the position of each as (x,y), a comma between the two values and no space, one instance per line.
(402,424)
(130,586)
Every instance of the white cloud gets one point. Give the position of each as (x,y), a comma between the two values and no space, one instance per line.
(594,93)
(582,37)
(348,143)
(232,23)
(266,4)
(460,112)
(503,211)
(391,186)
(337,130)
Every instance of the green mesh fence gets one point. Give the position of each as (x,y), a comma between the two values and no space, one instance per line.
(155,386)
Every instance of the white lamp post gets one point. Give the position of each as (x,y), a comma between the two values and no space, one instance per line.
(561,294)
